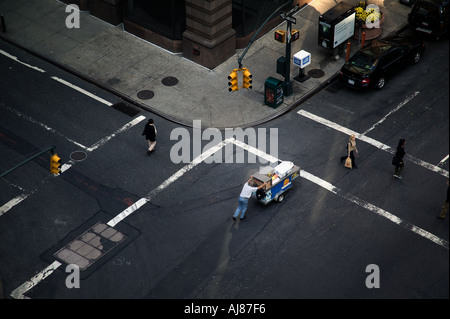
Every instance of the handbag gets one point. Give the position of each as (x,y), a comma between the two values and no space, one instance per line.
(348,162)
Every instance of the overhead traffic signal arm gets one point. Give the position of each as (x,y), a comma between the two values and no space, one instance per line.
(48,148)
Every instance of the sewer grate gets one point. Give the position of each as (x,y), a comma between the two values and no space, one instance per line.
(316,73)
(169,81)
(92,244)
(145,94)
(78,156)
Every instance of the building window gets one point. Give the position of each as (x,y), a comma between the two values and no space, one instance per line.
(249,15)
(167,18)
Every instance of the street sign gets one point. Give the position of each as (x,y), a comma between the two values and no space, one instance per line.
(293,10)
(287,18)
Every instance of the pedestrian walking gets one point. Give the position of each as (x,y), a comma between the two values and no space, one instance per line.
(150,135)
(247,191)
(444,206)
(351,146)
(397,161)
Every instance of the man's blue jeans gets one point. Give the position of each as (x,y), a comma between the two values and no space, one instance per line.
(242,207)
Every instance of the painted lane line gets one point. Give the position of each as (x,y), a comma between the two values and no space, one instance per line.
(167,182)
(13,202)
(443,160)
(42,125)
(88,149)
(77,88)
(409,98)
(12,57)
(68,165)
(19,292)
(120,130)
(372,142)
(333,189)
(377,210)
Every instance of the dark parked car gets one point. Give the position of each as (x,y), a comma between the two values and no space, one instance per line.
(407,2)
(373,64)
(430,17)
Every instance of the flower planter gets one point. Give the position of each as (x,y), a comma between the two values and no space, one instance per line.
(371,32)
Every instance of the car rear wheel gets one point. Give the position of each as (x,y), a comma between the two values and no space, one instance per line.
(417,57)
(280,198)
(381,82)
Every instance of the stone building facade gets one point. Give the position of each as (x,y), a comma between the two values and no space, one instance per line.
(207,32)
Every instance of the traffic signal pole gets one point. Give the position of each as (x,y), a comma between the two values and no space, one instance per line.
(240,58)
(287,72)
(49,148)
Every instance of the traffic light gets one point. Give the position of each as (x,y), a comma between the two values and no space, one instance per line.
(233,81)
(55,164)
(295,35)
(280,36)
(247,78)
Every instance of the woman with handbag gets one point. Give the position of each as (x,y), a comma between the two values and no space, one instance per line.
(397,161)
(351,146)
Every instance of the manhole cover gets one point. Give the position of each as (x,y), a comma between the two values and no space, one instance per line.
(78,156)
(316,73)
(145,94)
(169,81)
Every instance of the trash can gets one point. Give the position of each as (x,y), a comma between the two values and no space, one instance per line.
(273,92)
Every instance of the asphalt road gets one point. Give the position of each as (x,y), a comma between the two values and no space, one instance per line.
(181,240)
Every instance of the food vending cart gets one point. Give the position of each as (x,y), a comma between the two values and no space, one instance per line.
(279,179)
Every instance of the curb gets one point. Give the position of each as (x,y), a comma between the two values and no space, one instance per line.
(308,95)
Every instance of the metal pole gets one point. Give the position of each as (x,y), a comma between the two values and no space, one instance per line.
(287,71)
(256,33)
(49,148)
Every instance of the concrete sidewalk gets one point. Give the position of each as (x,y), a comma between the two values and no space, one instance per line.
(122,63)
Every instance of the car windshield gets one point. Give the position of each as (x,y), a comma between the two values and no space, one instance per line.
(364,60)
(427,11)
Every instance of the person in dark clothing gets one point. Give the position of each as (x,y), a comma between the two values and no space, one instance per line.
(150,135)
(444,206)
(398,158)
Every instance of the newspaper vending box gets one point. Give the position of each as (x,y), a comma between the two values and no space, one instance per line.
(336,25)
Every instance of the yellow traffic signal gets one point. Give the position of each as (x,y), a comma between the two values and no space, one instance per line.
(233,81)
(55,164)
(280,36)
(247,78)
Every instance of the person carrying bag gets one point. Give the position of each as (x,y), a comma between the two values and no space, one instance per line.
(350,158)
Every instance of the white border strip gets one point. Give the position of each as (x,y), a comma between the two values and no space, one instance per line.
(95,97)
(12,57)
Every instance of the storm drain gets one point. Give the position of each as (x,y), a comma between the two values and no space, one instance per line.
(92,244)
(169,81)
(78,156)
(145,94)
(316,73)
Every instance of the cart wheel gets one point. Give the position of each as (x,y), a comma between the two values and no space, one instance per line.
(260,194)
(280,198)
